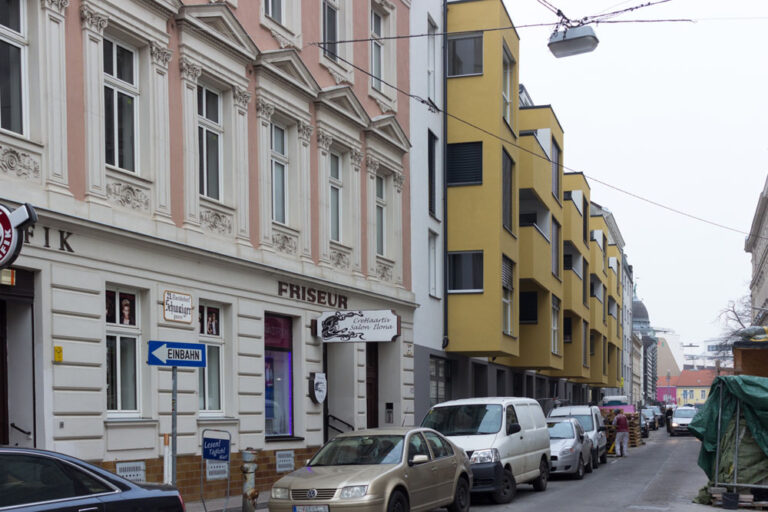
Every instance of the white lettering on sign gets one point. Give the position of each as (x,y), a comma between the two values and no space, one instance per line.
(177,307)
(134,471)
(216,470)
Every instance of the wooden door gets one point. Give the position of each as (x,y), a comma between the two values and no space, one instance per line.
(372,384)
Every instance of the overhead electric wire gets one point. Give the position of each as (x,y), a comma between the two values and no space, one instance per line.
(434,108)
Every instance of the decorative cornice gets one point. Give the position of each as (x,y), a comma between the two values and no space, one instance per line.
(93,20)
(324,140)
(372,165)
(19,164)
(357,158)
(216,222)
(189,70)
(264,109)
(128,196)
(55,5)
(241,97)
(161,56)
(305,131)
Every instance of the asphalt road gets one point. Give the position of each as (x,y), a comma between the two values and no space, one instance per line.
(660,476)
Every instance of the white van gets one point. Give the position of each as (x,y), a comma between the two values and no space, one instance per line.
(506,439)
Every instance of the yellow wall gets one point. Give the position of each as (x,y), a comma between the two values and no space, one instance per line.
(697,396)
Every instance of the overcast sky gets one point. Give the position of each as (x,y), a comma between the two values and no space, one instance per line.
(677,113)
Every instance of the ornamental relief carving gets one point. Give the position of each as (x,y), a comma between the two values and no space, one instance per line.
(340,259)
(357,159)
(56,5)
(264,109)
(324,140)
(216,221)
(189,70)
(18,163)
(284,42)
(372,165)
(384,271)
(398,179)
(160,56)
(284,242)
(127,196)
(92,19)
(241,97)
(305,131)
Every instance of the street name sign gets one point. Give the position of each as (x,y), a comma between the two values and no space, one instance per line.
(167,353)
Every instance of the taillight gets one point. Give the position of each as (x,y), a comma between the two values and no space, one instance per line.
(181,500)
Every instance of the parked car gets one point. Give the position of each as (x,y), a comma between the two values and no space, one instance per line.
(571,448)
(680,420)
(645,429)
(506,439)
(39,480)
(659,415)
(377,470)
(592,422)
(650,417)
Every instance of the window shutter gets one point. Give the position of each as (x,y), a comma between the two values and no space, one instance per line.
(507,273)
(465,163)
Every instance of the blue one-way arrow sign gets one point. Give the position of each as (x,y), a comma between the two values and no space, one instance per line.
(167,353)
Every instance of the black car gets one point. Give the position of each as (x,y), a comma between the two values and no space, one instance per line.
(39,480)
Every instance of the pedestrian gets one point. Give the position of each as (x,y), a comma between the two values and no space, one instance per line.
(622,433)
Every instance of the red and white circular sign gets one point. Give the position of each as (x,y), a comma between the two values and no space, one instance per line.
(11,225)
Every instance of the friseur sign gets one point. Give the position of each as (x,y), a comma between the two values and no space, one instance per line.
(12,225)
(358,326)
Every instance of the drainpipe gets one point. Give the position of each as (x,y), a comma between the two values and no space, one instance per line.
(445,177)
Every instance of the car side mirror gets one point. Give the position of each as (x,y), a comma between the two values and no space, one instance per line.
(601,428)
(514,428)
(418,459)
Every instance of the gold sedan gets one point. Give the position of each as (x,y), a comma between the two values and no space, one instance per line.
(392,470)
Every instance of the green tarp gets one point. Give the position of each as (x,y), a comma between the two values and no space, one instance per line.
(752,393)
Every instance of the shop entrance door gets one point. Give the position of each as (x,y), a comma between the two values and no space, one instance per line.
(3,378)
(372,384)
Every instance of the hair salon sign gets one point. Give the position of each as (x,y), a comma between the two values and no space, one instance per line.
(358,326)
(12,225)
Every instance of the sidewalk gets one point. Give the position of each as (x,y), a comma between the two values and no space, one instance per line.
(217,504)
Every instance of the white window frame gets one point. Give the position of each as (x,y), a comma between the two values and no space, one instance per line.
(507,86)
(269,11)
(482,276)
(280,159)
(119,331)
(432,263)
(217,341)
(482,53)
(378,89)
(119,86)
(556,306)
(381,206)
(334,54)
(585,344)
(555,235)
(217,128)
(431,59)
(377,42)
(337,184)
(21,41)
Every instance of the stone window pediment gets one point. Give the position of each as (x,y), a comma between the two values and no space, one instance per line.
(341,100)
(217,23)
(288,66)
(388,129)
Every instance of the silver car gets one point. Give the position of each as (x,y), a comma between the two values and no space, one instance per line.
(680,420)
(592,422)
(571,448)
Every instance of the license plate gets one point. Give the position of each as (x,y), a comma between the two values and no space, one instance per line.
(310,508)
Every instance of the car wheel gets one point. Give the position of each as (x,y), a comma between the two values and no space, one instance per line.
(506,490)
(588,466)
(604,457)
(461,498)
(398,502)
(540,484)
(579,474)
(595,459)
(671,434)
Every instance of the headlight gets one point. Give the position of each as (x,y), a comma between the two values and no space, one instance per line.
(280,493)
(675,424)
(485,456)
(353,491)
(567,451)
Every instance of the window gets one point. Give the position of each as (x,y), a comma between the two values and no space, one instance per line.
(585,285)
(439,380)
(605,305)
(381,205)
(465,272)
(592,344)
(507,192)
(417,446)
(335,197)
(279,162)
(465,55)
(555,248)
(432,172)
(120,105)
(377,49)
(432,256)
(123,338)
(440,447)
(507,87)
(605,356)
(278,375)
(567,330)
(501,381)
(585,220)
(13,53)
(274,9)
(585,341)
(330,29)
(555,170)
(555,325)
(529,308)
(431,59)
(209,135)
(209,378)
(507,293)
(465,163)
(703,394)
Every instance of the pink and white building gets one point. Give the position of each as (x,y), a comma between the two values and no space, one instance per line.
(209,149)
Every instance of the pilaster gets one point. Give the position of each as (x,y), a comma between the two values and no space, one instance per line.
(240,162)
(190,72)
(264,111)
(372,168)
(356,226)
(324,142)
(160,130)
(305,187)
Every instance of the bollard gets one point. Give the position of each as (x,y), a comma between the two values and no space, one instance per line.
(249,467)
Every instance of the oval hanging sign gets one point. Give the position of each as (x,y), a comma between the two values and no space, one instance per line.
(12,225)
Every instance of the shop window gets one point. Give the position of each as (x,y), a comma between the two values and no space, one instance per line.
(13,53)
(439,380)
(209,378)
(123,337)
(278,375)
(121,95)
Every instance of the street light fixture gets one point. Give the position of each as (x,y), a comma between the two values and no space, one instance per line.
(572,41)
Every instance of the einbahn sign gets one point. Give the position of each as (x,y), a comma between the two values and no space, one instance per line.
(12,226)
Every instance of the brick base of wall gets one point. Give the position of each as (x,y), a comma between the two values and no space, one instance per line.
(188,473)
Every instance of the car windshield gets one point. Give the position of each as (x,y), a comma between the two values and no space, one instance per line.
(360,450)
(560,430)
(585,420)
(648,413)
(465,420)
(656,409)
(685,413)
